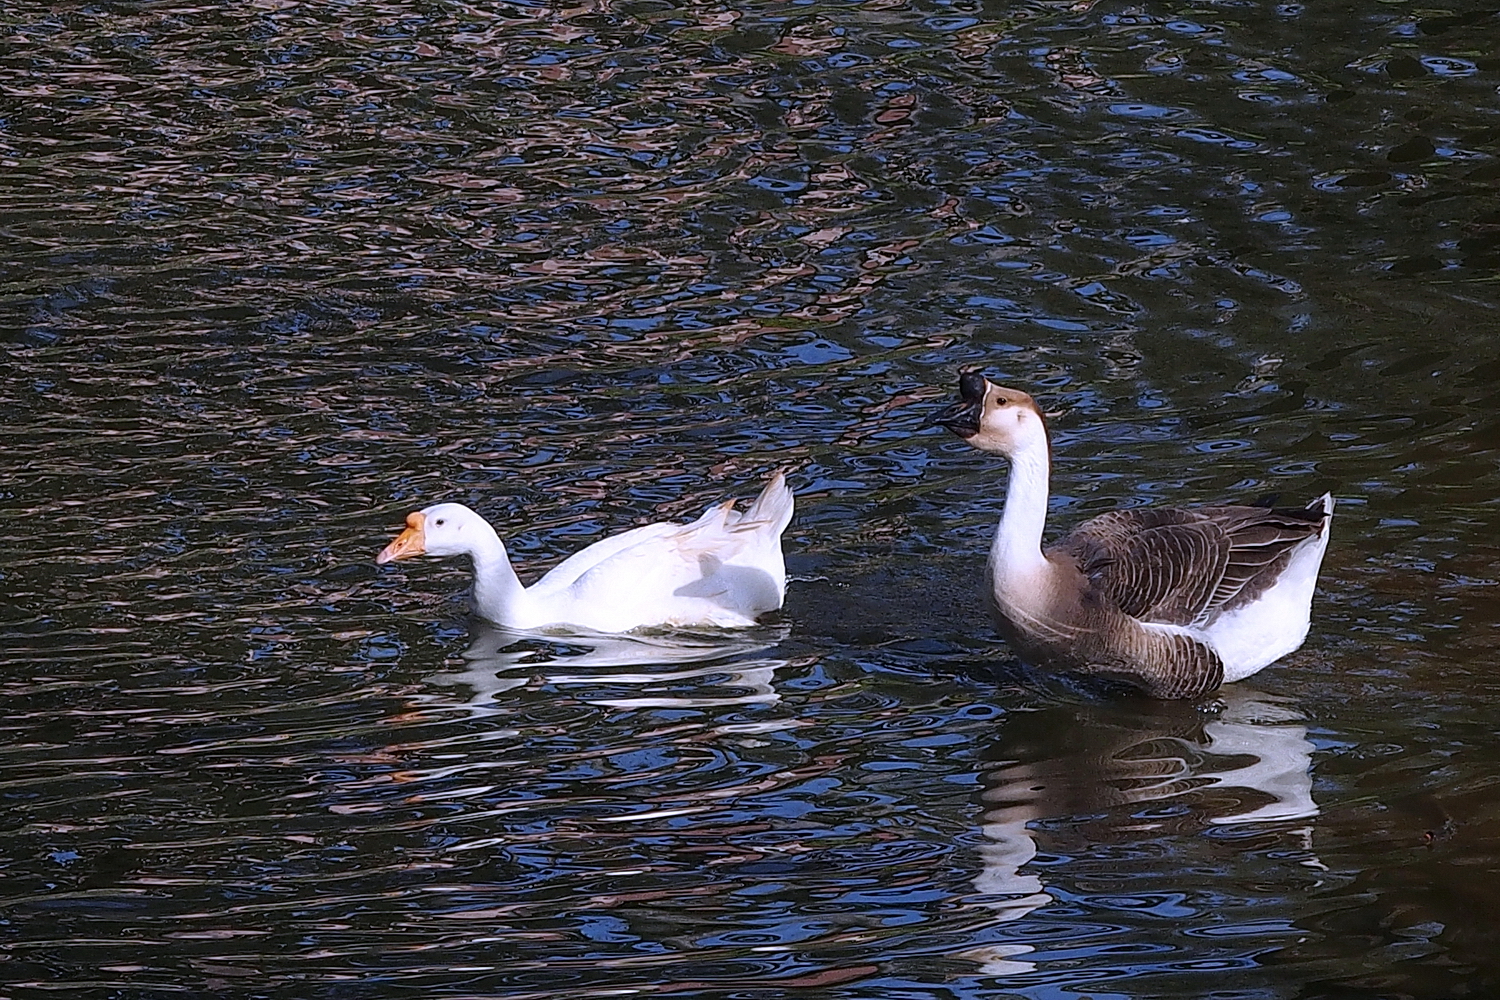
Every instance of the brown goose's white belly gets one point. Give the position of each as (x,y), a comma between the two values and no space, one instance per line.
(1250,638)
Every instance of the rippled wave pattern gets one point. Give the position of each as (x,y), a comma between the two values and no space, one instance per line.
(278,272)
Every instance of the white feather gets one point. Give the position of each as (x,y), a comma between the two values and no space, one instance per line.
(1275,623)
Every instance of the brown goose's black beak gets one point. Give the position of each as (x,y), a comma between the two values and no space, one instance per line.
(962,418)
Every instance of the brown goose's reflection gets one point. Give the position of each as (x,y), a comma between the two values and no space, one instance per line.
(1249,763)
(500,660)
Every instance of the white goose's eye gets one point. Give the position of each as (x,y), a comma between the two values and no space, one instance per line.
(438,522)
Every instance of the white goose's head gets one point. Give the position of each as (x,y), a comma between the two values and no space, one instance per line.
(444,529)
(995,419)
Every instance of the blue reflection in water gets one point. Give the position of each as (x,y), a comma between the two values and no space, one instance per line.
(1250,765)
(695,670)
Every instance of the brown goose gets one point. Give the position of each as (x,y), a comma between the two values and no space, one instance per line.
(1173,601)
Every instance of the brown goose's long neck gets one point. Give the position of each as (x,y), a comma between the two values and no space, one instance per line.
(1018,540)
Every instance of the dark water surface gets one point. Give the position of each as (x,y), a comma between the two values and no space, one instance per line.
(276,273)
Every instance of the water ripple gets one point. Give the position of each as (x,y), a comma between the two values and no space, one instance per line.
(278,273)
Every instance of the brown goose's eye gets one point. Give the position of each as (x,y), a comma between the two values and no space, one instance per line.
(1001,401)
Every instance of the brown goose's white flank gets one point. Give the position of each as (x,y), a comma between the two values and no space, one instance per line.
(1173,601)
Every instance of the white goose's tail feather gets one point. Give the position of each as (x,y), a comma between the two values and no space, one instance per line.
(772,510)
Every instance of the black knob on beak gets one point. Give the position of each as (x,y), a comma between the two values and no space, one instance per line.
(962,418)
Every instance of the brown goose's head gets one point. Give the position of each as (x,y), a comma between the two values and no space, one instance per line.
(993,418)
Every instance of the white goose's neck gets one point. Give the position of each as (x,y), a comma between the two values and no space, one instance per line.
(1017,549)
(498,594)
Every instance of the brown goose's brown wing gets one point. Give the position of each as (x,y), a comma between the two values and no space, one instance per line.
(1261,540)
(1155,564)
(1177,566)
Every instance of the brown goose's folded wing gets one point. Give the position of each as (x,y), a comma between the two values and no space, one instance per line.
(1176,566)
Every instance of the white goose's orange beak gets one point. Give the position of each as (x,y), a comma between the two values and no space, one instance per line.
(411,542)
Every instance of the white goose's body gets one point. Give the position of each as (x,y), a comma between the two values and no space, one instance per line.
(1173,601)
(724,569)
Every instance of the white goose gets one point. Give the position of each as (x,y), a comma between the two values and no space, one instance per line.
(1172,601)
(723,569)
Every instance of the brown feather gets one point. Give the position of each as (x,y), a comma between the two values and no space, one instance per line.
(1185,566)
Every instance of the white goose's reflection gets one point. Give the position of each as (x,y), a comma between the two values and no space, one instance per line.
(1249,764)
(500,660)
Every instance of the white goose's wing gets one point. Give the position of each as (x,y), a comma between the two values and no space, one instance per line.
(702,572)
(566,573)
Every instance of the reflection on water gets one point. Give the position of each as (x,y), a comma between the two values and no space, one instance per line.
(277,273)
(710,671)
(1250,763)
(1271,733)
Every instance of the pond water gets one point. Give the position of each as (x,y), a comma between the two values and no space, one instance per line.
(277,273)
